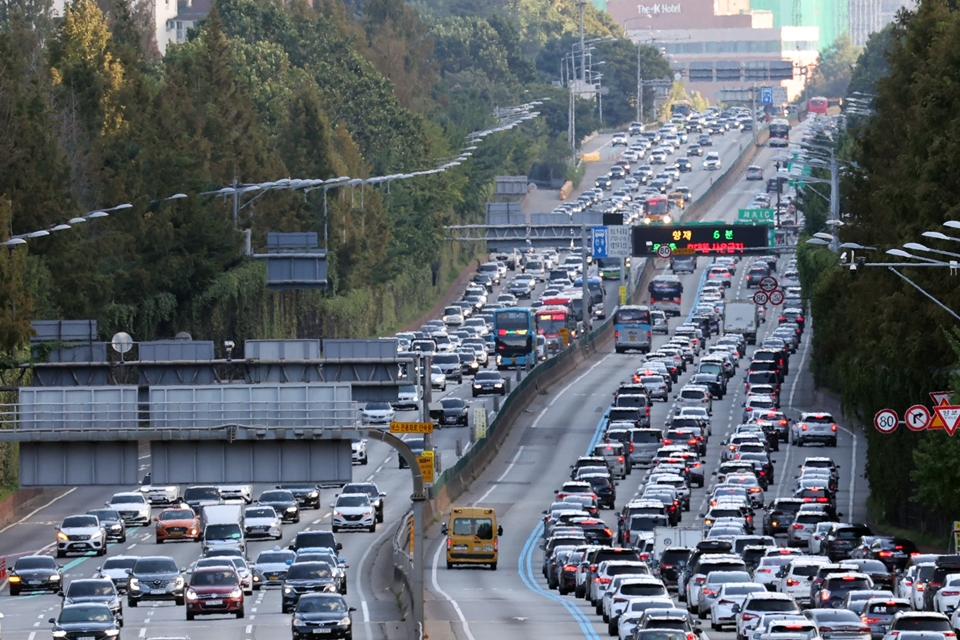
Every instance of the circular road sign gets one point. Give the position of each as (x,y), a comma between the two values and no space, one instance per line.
(886,421)
(917,417)
(760,298)
(776,297)
(664,251)
(768,283)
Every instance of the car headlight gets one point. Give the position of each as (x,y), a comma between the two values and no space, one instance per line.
(236,593)
(288,590)
(191,595)
(55,576)
(112,632)
(144,489)
(62,536)
(134,584)
(291,509)
(178,583)
(313,494)
(115,527)
(59,633)
(498,385)
(297,620)
(344,622)
(337,514)
(477,386)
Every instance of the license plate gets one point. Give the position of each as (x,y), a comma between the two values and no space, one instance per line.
(633,338)
(158,591)
(86,638)
(460,547)
(214,602)
(34,582)
(322,630)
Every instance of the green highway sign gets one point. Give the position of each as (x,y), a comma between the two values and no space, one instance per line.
(755,215)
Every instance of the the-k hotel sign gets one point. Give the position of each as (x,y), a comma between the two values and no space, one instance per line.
(652,9)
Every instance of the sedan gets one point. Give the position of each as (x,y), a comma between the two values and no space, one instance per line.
(489,382)
(35,573)
(322,611)
(839,624)
(438,380)
(377,413)
(85,620)
(453,412)
(262,521)
(283,502)
(112,523)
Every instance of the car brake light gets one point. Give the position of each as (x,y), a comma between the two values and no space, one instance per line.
(619,599)
(616,334)
(951,593)
(823,500)
(748,616)
(620,459)
(570,567)
(798,526)
(700,579)
(803,428)
(899,547)
(833,427)
(449,543)
(792,583)
(605,580)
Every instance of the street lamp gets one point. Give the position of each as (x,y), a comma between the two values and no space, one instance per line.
(916,246)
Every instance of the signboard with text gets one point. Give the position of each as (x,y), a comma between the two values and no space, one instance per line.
(704,239)
(411,427)
(425,461)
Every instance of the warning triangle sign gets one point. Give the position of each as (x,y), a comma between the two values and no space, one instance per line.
(936,422)
(941,398)
(950,415)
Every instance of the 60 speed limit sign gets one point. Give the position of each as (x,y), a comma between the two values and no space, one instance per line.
(886,421)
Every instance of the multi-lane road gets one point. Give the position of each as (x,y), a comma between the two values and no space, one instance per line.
(514,603)
(464,604)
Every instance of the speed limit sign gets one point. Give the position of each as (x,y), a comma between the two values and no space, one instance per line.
(760,298)
(776,297)
(664,251)
(886,421)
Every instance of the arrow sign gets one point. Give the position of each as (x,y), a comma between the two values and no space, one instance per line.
(599,242)
(917,417)
(940,397)
(950,415)
(886,421)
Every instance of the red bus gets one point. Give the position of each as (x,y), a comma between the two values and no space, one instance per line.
(818,104)
(657,209)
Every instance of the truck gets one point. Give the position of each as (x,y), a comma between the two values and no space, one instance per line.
(741,316)
(221,514)
(510,257)
(664,537)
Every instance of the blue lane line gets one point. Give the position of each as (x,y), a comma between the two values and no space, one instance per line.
(525,563)
(696,298)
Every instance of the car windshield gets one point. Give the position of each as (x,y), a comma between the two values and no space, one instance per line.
(223,532)
(452,403)
(275,557)
(104,514)
(135,499)
(445,358)
(321,604)
(201,493)
(156,565)
(71,615)
(36,562)
(177,514)
(260,512)
(90,588)
(480,527)
(79,522)
(489,376)
(119,563)
(214,578)
(309,571)
(381,406)
(276,496)
(765,604)
(923,624)
(353,501)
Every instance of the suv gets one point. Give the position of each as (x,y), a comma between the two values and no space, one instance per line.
(842,539)
(919,621)
(758,604)
(95,591)
(314,539)
(155,578)
(374,493)
(706,564)
(214,590)
(943,566)
(815,427)
(81,534)
(836,586)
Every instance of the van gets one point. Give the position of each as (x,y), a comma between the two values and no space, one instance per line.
(472,537)
(613,453)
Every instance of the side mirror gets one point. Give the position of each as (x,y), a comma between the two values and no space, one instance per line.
(52,620)
(383,495)
(339,546)
(61,593)
(333,504)
(291,547)
(735,608)
(544,512)
(128,571)
(443,528)
(700,515)
(351,608)
(499,530)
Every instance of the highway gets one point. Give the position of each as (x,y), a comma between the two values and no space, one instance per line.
(512,601)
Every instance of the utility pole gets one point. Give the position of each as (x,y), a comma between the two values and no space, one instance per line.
(236,197)
(639,88)
(753,97)
(427,361)
(585,288)
(835,199)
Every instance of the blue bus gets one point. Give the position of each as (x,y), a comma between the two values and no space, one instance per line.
(666,293)
(514,337)
(631,329)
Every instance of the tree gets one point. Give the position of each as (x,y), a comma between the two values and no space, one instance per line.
(872,63)
(834,68)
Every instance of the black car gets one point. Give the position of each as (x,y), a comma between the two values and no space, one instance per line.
(452,412)
(893,552)
(684,165)
(95,591)
(155,578)
(283,502)
(489,382)
(322,613)
(717,385)
(372,491)
(604,489)
(35,573)
(85,621)
(307,495)
(705,141)
(780,515)
(306,577)
(672,562)
(315,539)
(841,540)
(416,445)
(112,523)
(200,496)
(603,182)
(595,530)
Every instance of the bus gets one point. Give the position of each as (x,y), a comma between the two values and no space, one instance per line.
(665,293)
(818,104)
(658,209)
(681,108)
(551,319)
(631,329)
(514,341)
(779,132)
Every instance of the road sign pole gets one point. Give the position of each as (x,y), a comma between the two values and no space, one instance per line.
(427,399)
(419,540)
(586,287)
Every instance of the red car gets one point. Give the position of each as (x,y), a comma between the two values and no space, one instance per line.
(214,590)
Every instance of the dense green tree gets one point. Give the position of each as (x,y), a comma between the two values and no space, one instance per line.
(834,68)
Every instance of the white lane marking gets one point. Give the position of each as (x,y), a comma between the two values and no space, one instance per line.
(249,629)
(252,617)
(143,632)
(502,476)
(132,545)
(556,397)
(853,477)
(315,522)
(36,624)
(440,592)
(34,512)
(33,634)
(366,611)
(363,598)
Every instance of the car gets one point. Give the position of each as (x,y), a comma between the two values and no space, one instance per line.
(35,573)
(81,534)
(270,567)
(684,165)
(262,521)
(372,492)
(416,445)
(754,172)
(836,586)
(306,493)
(177,524)
(132,507)
(437,378)
(94,591)
(283,502)
(358,451)
(839,624)
(815,427)
(112,523)
(116,570)
(214,590)
(378,412)
(913,621)
(159,495)
(155,578)
(711,162)
(757,604)
(353,511)
(316,611)
(489,383)
(306,577)
(91,620)
(729,598)
(452,412)
(450,365)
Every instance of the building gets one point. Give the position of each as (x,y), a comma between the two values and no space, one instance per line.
(738,45)
(831,17)
(188,13)
(865,18)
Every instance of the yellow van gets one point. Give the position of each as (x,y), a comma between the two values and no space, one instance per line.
(472,537)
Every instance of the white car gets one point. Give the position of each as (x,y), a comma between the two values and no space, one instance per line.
(730,594)
(438,380)
(798,576)
(377,413)
(353,511)
(634,609)
(760,603)
(236,493)
(638,587)
(619,140)
(159,495)
(712,161)
(948,597)
(358,451)
(132,507)
(262,521)
(453,316)
(80,534)
(694,395)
